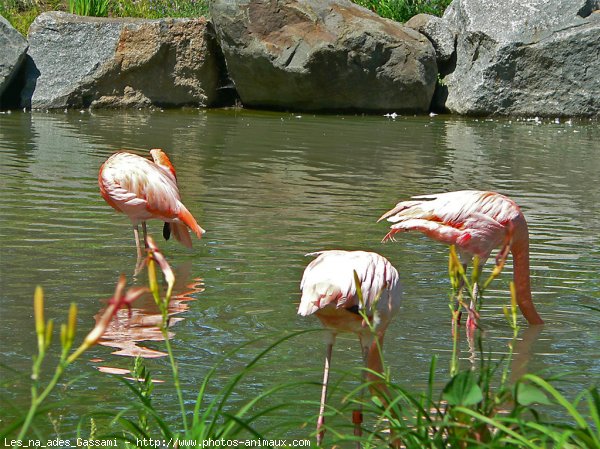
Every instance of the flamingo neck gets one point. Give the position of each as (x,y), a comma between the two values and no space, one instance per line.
(520,252)
(374,363)
(374,359)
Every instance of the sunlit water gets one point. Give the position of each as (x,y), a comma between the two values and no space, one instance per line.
(268,188)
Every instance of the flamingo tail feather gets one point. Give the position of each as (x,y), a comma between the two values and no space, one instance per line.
(185,216)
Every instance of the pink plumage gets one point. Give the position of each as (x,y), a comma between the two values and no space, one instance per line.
(329,279)
(329,290)
(476,222)
(144,190)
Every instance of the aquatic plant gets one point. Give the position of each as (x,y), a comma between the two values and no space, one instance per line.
(211,418)
(44,331)
(476,407)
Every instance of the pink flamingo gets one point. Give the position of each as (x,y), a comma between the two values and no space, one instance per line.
(329,291)
(475,222)
(143,190)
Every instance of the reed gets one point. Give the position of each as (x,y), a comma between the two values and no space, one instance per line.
(212,416)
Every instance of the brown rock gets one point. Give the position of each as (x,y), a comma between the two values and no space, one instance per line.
(323,55)
(98,62)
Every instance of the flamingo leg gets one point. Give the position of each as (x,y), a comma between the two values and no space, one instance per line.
(145,234)
(457,302)
(472,320)
(136,235)
(357,415)
(140,256)
(321,419)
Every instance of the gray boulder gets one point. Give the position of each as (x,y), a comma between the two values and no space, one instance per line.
(438,32)
(537,57)
(13,48)
(115,63)
(323,55)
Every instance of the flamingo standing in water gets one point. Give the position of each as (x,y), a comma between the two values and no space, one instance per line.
(144,189)
(329,291)
(475,222)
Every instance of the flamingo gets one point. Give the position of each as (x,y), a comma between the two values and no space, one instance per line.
(329,291)
(144,189)
(476,222)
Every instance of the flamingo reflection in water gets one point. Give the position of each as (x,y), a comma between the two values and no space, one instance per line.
(144,190)
(141,323)
(476,222)
(329,290)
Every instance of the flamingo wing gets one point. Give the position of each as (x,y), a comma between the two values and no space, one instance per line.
(137,187)
(474,221)
(329,279)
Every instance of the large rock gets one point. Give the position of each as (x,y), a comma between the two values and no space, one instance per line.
(438,32)
(538,57)
(98,62)
(323,55)
(13,48)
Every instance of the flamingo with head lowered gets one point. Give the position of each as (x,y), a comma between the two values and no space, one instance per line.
(144,190)
(476,222)
(329,290)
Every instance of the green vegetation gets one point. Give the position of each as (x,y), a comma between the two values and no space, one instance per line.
(96,8)
(44,331)
(402,10)
(476,408)
(21,13)
(212,418)
(155,9)
(479,408)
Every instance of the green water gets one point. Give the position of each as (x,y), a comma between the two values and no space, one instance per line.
(268,188)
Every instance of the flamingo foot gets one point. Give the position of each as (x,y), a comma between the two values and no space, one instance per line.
(389,237)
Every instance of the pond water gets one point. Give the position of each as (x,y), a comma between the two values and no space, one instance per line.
(268,188)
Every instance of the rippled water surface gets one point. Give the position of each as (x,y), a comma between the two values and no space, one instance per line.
(268,188)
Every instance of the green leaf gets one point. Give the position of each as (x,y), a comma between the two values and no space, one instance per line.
(462,390)
(377,401)
(527,394)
